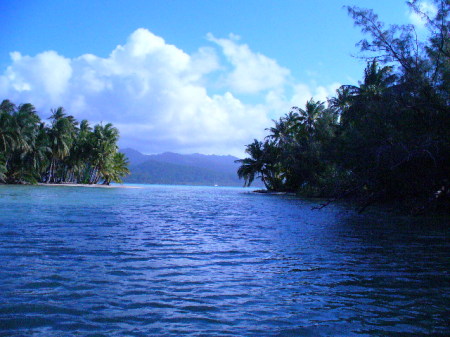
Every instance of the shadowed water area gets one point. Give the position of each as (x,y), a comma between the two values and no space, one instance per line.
(172,261)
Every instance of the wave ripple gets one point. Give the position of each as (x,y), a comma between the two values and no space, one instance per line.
(168,260)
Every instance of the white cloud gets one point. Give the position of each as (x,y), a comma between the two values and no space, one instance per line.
(253,72)
(427,8)
(157,95)
(47,72)
(303,93)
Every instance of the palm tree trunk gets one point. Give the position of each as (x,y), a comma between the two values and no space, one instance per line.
(264,182)
(97,177)
(50,171)
(93,175)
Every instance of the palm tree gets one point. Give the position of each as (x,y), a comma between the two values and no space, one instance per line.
(104,146)
(37,158)
(264,163)
(309,116)
(61,136)
(80,155)
(344,99)
(24,127)
(285,129)
(252,167)
(7,138)
(117,168)
(376,80)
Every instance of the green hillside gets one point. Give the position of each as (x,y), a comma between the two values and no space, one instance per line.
(177,169)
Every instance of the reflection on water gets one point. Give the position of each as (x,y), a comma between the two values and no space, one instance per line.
(171,260)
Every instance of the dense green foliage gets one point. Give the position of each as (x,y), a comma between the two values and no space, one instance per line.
(60,152)
(387,138)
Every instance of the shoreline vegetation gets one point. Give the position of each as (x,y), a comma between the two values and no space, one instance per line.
(62,151)
(385,140)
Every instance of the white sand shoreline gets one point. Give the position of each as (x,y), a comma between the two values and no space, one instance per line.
(89,185)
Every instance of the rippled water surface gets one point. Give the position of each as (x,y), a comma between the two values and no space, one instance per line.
(176,261)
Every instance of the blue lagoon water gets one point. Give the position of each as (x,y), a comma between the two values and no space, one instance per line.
(199,261)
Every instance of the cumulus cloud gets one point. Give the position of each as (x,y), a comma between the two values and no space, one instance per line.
(47,72)
(303,93)
(418,19)
(158,95)
(253,72)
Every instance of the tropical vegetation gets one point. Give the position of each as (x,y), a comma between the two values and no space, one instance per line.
(61,151)
(387,138)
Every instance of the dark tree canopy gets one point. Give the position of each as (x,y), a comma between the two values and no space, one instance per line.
(386,139)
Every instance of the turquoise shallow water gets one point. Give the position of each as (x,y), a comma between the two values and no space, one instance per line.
(199,261)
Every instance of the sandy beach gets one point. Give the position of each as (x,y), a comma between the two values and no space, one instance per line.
(90,185)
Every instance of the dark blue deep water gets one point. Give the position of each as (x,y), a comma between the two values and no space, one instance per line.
(199,261)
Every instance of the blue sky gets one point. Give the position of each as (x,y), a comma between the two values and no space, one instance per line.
(182,76)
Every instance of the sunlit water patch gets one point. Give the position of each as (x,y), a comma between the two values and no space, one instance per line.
(172,261)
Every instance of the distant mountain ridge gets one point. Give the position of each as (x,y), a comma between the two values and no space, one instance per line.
(180,169)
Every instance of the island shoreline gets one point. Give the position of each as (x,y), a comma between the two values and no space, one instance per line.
(88,185)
